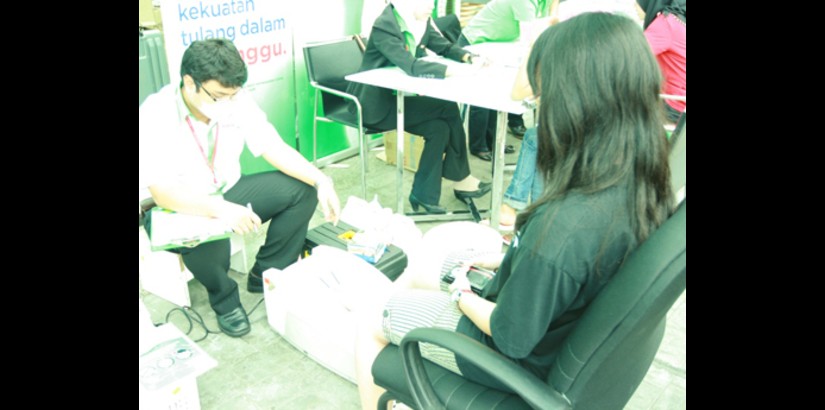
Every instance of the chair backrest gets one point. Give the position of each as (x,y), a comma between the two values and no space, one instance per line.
(678,158)
(609,352)
(329,62)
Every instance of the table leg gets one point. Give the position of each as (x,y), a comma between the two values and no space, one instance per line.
(399,155)
(399,179)
(498,168)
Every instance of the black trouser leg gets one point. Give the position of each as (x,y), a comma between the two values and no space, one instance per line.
(288,204)
(482,129)
(439,122)
(209,264)
(515,120)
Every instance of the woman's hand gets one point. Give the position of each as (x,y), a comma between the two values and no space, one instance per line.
(461,282)
(490,261)
(480,61)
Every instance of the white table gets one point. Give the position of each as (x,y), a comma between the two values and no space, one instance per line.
(489,87)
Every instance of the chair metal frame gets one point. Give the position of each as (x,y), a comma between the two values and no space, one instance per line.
(319,89)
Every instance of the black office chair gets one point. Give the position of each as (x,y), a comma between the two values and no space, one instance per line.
(678,158)
(327,65)
(145,205)
(602,363)
(676,144)
(672,128)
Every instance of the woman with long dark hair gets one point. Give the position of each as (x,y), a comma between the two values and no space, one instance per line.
(602,153)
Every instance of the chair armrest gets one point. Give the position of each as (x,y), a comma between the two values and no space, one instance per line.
(534,391)
(145,206)
(340,94)
(334,91)
(672,97)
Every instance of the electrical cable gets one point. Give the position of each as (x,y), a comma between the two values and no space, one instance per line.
(192,315)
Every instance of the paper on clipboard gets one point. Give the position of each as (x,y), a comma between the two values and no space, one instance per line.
(174,230)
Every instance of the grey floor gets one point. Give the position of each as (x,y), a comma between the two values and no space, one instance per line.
(263,371)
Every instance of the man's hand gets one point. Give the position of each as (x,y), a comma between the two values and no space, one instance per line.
(330,205)
(241,219)
(481,61)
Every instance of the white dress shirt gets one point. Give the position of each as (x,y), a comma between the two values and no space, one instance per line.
(172,151)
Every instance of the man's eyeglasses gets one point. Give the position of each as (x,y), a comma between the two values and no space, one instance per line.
(216,99)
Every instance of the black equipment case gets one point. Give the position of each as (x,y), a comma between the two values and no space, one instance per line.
(392,262)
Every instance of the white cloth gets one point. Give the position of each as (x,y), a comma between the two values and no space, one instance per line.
(169,152)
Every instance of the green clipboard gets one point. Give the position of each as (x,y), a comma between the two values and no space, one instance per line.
(171,229)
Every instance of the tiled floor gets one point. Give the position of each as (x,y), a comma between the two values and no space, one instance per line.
(263,371)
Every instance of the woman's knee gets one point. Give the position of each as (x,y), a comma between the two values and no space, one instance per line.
(437,134)
(369,323)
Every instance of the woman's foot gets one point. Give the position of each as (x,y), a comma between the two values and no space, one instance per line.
(470,183)
(485,155)
(517,130)
(483,189)
(488,156)
(430,209)
(471,187)
(506,218)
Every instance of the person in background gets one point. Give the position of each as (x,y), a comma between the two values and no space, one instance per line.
(400,37)
(500,21)
(665,25)
(191,136)
(607,189)
(572,8)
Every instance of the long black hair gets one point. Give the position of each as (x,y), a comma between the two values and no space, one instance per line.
(600,118)
(653,7)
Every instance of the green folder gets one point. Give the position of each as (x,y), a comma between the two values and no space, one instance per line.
(175,230)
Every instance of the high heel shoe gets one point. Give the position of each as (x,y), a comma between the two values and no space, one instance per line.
(483,189)
(431,209)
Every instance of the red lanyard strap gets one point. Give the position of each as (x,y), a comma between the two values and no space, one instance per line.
(209,162)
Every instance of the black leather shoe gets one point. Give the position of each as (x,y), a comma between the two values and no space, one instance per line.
(254,283)
(487,156)
(483,189)
(431,209)
(235,323)
(509,149)
(517,130)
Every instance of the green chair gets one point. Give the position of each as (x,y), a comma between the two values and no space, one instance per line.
(600,366)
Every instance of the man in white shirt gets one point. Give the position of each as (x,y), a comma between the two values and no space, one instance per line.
(191,138)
